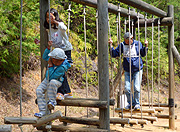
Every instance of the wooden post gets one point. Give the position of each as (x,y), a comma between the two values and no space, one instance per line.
(43,35)
(171,69)
(103,62)
(143,6)
(176,54)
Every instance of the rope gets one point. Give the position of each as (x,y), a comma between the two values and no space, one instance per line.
(152,59)
(130,58)
(84,13)
(120,63)
(147,60)
(158,60)
(69,15)
(139,62)
(125,23)
(21,67)
(111,60)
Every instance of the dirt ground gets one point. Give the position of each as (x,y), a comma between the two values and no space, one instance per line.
(10,106)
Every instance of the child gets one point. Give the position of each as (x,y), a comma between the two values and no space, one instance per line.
(57,66)
(58,33)
(59,39)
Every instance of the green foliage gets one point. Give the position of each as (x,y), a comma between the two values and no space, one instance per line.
(10,34)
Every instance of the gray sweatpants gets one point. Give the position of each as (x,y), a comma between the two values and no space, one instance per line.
(51,89)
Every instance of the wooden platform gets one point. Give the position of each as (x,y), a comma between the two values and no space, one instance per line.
(120,110)
(83,103)
(72,129)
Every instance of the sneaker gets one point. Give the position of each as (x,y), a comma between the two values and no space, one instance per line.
(68,95)
(137,107)
(128,107)
(40,114)
(51,105)
(59,96)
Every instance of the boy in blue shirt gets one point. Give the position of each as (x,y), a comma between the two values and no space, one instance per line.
(57,66)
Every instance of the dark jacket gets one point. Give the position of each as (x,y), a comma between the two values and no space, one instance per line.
(134,59)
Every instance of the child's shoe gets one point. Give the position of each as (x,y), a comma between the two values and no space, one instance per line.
(59,96)
(68,95)
(40,114)
(137,107)
(51,105)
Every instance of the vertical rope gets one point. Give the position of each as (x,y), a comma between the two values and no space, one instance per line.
(147,60)
(132,26)
(84,13)
(139,63)
(130,57)
(20,125)
(97,39)
(69,15)
(111,60)
(120,62)
(125,23)
(158,60)
(152,58)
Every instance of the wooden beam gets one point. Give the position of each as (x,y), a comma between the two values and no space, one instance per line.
(119,110)
(111,8)
(163,116)
(78,120)
(165,21)
(48,118)
(72,129)
(143,117)
(176,54)
(85,103)
(115,120)
(143,6)
(20,120)
(157,105)
(133,121)
(111,101)
(142,122)
(94,121)
(5,128)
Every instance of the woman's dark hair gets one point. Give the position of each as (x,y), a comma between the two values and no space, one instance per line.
(55,13)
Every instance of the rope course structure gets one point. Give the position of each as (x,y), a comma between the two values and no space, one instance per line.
(132,117)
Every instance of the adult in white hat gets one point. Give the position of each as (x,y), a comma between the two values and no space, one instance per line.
(136,75)
(57,66)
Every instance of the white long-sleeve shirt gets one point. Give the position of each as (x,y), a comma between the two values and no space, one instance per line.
(60,38)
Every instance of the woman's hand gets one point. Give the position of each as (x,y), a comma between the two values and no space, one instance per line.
(36,41)
(50,62)
(110,42)
(49,44)
(146,43)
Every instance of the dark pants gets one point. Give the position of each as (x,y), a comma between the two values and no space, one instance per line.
(68,54)
(64,87)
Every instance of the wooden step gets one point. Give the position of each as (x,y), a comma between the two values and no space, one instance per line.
(72,129)
(92,121)
(48,118)
(120,110)
(83,103)
(163,116)
(157,105)
(111,101)
(143,117)
(20,120)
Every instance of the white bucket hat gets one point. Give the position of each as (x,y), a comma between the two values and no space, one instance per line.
(127,34)
(57,53)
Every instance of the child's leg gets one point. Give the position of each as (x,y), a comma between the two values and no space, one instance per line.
(52,90)
(40,93)
(68,54)
(64,87)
